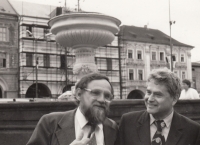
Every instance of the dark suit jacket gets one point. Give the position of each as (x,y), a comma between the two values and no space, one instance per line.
(134,129)
(58,129)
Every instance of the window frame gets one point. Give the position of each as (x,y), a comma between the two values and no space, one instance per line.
(29,59)
(183,57)
(4,35)
(182,75)
(142,74)
(163,55)
(62,61)
(152,55)
(132,75)
(131,54)
(138,53)
(46,60)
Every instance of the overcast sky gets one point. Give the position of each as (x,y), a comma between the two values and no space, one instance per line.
(154,13)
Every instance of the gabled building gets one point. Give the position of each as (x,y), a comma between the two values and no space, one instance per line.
(8,51)
(144,49)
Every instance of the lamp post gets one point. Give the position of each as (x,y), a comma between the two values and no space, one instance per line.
(36,62)
(170,41)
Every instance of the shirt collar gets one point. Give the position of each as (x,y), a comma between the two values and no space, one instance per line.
(82,121)
(167,120)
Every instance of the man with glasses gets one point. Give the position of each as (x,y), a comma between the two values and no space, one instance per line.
(160,124)
(86,125)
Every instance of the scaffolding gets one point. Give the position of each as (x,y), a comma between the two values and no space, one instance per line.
(54,61)
(54,71)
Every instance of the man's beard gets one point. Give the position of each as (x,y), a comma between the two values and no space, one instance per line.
(96,115)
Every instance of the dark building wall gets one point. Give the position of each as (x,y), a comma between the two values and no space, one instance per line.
(196,76)
(9,55)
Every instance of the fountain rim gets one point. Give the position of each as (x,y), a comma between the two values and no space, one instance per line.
(86,14)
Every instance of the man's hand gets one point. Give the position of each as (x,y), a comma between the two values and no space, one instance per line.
(80,140)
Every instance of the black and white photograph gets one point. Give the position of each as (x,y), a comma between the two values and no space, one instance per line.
(99,72)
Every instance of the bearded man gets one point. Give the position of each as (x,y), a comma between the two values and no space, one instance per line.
(86,125)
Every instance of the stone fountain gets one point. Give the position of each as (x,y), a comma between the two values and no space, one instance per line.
(84,32)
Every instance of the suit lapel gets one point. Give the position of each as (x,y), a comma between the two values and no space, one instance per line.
(143,128)
(175,132)
(110,132)
(66,133)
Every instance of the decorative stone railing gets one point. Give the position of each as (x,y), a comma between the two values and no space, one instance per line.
(133,83)
(180,65)
(130,61)
(158,64)
(18,120)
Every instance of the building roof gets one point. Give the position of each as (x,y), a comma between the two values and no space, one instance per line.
(6,8)
(32,9)
(147,35)
(196,64)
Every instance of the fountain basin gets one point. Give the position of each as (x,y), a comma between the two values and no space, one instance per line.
(84,29)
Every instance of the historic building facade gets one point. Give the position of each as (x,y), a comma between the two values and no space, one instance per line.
(45,67)
(145,49)
(8,51)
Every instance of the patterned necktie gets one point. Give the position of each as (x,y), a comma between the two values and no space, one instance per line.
(158,138)
(93,139)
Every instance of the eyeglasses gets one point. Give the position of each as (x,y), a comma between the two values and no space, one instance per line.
(97,93)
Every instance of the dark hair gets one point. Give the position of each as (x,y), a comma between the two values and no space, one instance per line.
(187,82)
(169,79)
(85,80)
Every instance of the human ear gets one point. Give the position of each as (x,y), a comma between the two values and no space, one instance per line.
(174,101)
(78,93)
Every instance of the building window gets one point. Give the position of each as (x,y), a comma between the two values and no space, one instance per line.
(131,74)
(3,34)
(109,63)
(153,55)
(139,54)
(46,31)
(29,28)
(2,62)
(182,58)
(140,75)
(173,57)
(95,60)
(62,61)
(29,59)
(183,75)
(161,56)
(46,60)
(130,53)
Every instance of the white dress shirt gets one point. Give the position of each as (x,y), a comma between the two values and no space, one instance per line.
(189,94)
(80,125)
(165,130)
